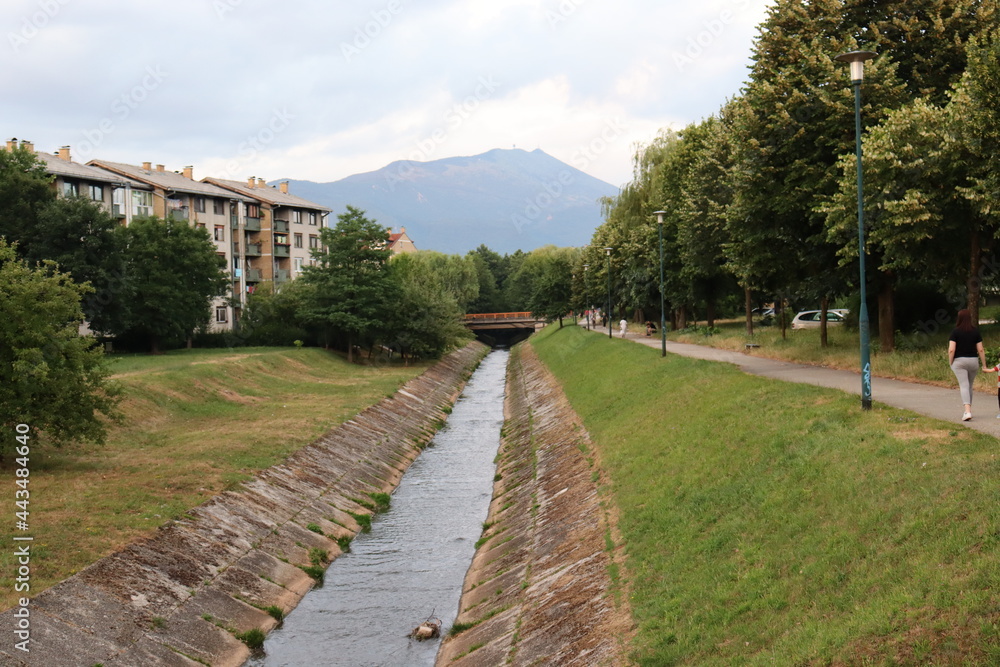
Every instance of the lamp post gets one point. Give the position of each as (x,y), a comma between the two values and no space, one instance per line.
(857,62)
(586,295)
(663,315)
(608,314)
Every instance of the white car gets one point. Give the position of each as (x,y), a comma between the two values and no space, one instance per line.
(810,319)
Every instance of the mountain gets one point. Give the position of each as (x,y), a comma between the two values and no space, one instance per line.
(507,199)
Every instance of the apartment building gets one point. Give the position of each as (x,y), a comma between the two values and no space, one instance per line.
(223,214)
(73,179)
(289,227)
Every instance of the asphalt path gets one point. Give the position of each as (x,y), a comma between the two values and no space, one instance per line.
(937,402)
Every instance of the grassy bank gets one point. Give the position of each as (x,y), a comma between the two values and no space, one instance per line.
(920,358)
(197,422)
(769,523)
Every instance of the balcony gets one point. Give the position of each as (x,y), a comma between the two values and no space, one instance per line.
(252,224)
(281,226)
(282,276)
(117,211)
(282,251)
(179,213)
(253,250)
(254,275)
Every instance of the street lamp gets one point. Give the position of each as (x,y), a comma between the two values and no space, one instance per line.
(608,314)
(857,61)
(663,316)
(586,294)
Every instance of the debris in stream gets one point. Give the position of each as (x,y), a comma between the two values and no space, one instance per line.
(429,629)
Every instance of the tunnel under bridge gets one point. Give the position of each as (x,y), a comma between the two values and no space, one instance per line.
(503,329)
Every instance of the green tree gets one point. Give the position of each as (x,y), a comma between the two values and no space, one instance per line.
(51,378)
(86,242)
(489,299)
(426,321)
(546,278)
(25,189)
(172,273)
(351,291)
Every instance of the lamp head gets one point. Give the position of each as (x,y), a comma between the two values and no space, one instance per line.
(857,61)
(659,216)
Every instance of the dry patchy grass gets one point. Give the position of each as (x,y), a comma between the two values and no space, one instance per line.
(197,424)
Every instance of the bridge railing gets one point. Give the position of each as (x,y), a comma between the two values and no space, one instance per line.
(497,317)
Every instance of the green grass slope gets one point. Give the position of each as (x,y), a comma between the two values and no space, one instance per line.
(768,523)
(197,422)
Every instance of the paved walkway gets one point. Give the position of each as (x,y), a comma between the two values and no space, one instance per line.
(936,402)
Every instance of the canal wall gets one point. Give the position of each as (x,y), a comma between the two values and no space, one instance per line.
(540,588)
(180,597)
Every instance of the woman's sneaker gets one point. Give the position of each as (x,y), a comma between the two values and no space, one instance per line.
(967,416)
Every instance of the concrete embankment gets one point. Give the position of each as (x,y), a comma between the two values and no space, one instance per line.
(539,590)
(180,597)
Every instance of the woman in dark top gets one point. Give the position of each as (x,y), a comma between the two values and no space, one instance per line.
(964,345)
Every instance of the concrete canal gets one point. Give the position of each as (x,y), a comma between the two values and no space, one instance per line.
(412,563)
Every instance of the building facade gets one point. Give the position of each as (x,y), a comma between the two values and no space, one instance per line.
(177,196)
(289,229)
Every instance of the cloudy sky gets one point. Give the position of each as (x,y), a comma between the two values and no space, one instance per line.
(319,89)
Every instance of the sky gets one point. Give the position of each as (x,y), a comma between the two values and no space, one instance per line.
(319,90)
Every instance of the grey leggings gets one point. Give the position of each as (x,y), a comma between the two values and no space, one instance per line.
(965,370)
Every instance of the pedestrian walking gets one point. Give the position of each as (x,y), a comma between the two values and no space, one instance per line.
(623,326)
(964,345)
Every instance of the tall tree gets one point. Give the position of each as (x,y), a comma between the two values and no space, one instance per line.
(25,189)
(86,242)
(427,318)
(172,273)
(51,378)
(351,288)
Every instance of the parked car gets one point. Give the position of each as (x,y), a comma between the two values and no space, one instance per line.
(810,319)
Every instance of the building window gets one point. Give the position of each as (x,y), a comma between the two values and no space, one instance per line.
(219,206)
(97,192)
(220,233)
(296,216)
(313,242)
(142,203)
(221,314)
(298,240)
(199,204)
(70,189)
(253,210)
(298,264)
(200,225)
(312,219)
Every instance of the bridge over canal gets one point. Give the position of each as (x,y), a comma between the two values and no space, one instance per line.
(503,328)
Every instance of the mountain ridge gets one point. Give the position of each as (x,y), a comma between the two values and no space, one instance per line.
(507,199)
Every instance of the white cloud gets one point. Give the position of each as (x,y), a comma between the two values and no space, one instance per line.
(414,89)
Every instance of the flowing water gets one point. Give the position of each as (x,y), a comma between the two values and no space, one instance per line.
(412,563)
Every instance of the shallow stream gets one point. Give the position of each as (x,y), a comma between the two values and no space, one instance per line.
(412,563)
